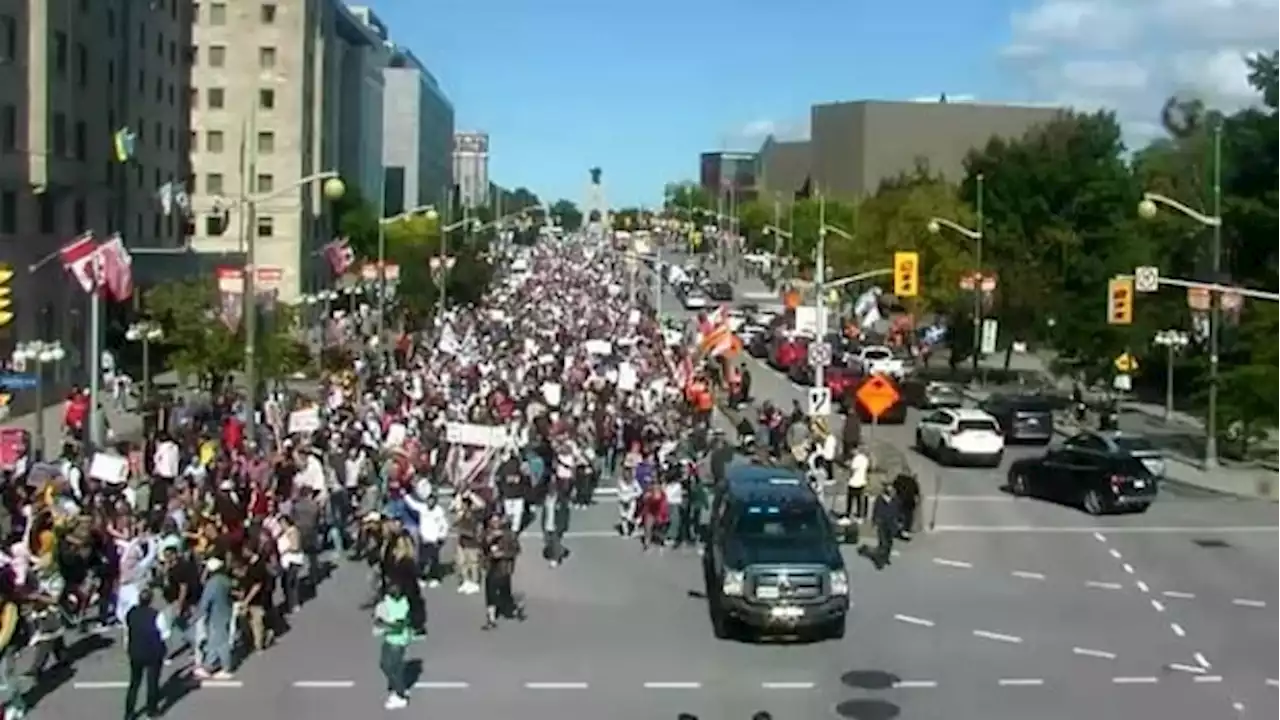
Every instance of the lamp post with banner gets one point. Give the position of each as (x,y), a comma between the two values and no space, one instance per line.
(38,353)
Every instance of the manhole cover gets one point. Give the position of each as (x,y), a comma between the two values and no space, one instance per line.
(868,710)
(869,679)
(1211,543)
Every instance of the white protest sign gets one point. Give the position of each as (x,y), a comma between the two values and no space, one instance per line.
(627,377)
(110,469)
(470,434)
(306,420)
(598,347)
(551,392)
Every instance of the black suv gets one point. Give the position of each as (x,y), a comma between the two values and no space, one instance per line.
(773,563)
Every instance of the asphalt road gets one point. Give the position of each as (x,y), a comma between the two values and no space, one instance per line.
(1009,609)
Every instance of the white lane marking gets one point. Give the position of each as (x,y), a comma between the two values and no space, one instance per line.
(1147,680)
(1100,537)
(952,563)
(1090,652)
(1273,682)
(908,619)
(673,685)
(1021,682)
(1177,630)
(1103,585)
(999,637)
(221,684)
(1143,586)
(1115,553)
(1207,679)
(442,685)
(1159,606)
(556,685)
(1183,667)
(1245,602)
(99,684)
(1025,575)
(914,684)
(787,685)
(1204,661)
(324,684)
(1119,530)
(1128,568)
(1178,595)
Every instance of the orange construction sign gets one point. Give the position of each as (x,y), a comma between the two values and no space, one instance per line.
(877,395)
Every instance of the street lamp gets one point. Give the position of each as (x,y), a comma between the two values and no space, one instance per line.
(1172,341)
(38,353)
(333,188)
(935,226)
(1148,208)
(145,332)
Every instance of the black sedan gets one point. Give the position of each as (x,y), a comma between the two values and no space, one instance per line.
(720,291)
(1101,472)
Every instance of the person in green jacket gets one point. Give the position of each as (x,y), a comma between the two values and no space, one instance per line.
(391,622)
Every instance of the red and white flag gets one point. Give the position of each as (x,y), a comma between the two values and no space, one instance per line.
(117,268)
(80,258)
(340,256)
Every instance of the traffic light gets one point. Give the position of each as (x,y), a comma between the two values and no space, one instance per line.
(6,295)
(1120,301)
(906,274)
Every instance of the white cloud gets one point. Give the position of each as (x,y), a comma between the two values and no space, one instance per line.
(1130,55)
(757,129)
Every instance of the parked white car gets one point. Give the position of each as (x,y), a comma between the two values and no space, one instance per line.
(954,436)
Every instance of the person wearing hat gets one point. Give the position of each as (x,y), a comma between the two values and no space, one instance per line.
(216,609)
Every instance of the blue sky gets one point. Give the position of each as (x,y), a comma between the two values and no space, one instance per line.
(640,88)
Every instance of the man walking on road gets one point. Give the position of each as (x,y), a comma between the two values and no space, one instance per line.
(885,515)
(147,631)
(391,621)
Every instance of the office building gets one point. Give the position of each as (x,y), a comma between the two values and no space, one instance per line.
(417,135)
(72,73)
(361,57)
(728,173)
(781,169)
(854,146)
(471,168)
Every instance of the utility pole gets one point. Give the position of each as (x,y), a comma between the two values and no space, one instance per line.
(1215,309)
(819,289)
(977,285)
(248,231)
(382,257)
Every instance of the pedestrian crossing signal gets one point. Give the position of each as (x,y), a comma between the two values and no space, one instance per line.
(6,295)
(1120,301)
(906,274)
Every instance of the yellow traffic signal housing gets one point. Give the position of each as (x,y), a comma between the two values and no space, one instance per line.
(6,295)
(1120,301)
(906,274)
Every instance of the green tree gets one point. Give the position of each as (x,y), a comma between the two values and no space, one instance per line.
(686,196)
(356,218)
(568,214)
(754,218)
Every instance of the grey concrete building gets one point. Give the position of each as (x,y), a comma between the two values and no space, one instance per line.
(856,145)
(781,169)
(418,127)
(72,73)
(471,167)
(361,54)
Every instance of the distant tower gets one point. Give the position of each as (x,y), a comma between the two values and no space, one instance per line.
(596,207)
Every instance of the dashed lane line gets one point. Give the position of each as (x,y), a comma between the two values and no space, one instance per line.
(325,684)
(1204,661)
(1183,667)
(672,685)
(1245,602)
(1128,568)
(911,620)
(120,684)
(441,685)
(1027,575)
(1177,630)
(914,684)
(1099,537)
(1090,652)
(1103,585)
(953,563)
(787,685)
(1143,586)
(1115,553)
(1157,605)
(998,637)
(556,685)
(1020,682)
(1273,682)
(1146,680)
(1178,595)
(1212,679)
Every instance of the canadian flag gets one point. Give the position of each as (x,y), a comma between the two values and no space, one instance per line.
(117,268)
(340,256)
(80,258)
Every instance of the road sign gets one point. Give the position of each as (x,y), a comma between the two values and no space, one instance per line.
(819,401)
(1146,279)
(17,381)
(1126,363)
(820,354)
(877,395)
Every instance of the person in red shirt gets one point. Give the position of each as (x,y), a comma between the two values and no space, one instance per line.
(654,514)
(233,434)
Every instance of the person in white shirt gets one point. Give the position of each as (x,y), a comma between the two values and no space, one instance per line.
(855,499)
(433,530)
(166,459)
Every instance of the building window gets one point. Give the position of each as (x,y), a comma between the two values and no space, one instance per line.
(59,135)
(111,73)
(266,182)
(159,135)
(267,99)
(266,57)
(8,212)
(172,95)
(160,45)
(217,96)
(213,141)
(142,81)
(159,90)
(217,13)
(266,142)
(213,225)
(173,138)
(8,127)
(48,217)
(82,65)
(266,226)
(173,53)
(8,38)
(82,140)
(81,215)
(213,183)
(155,225)
(217,55)
(60,53)
(268,14)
